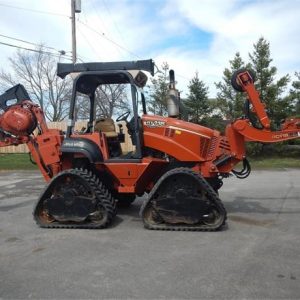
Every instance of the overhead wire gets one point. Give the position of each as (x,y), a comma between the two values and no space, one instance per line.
(35,50)
(86,38)
(85,24)
(108,39)
(179,75)
(117,28)
(98,16)
(158,70)
(101,21)
(30,43)
(112,18)
(88,42)
(59,51)
(101,34)
(34,10)
(79,57)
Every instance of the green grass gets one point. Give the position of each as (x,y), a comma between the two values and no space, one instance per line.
(274,162)
(21,162)
(16,162)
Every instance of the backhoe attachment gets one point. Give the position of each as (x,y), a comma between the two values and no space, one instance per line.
(243,81)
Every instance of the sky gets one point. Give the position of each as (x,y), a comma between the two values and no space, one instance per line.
(190,35)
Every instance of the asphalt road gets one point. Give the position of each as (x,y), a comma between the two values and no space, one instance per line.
(257,256)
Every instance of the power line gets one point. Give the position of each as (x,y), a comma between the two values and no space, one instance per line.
(98,16)
(105,29)
(86,39)
(34,50)
(108,39)
(63,15)
(80,58)
(34,10)
(179,75)
(101,34)
(30,43)
(112,18)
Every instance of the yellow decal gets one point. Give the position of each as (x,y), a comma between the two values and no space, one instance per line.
(177,132)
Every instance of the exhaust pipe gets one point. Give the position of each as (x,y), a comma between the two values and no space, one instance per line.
(173,97)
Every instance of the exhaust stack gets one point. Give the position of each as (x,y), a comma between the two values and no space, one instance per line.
(173,97)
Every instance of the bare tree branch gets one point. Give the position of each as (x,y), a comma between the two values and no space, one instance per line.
(37,72)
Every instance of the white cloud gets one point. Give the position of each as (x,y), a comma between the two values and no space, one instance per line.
(142,27)
(236,25)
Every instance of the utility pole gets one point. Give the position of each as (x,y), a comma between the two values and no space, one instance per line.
(75,8)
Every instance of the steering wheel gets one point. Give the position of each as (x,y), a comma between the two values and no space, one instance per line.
(123,117)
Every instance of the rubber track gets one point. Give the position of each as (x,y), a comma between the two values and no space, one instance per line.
(103,195)
(212,197)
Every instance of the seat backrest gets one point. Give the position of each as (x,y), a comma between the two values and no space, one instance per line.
(105,125)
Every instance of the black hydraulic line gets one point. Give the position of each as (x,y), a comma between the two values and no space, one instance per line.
(245,172)
(31,159)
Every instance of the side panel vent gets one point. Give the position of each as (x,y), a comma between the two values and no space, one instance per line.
(204,146)
(212,148)
(224,145)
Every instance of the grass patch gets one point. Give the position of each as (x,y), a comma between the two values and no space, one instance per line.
(18,161)
(21,162)
(274,162)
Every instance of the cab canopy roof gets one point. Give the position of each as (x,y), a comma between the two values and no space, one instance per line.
(87,82)
(64,69)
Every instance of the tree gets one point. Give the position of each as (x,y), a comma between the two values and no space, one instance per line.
(230,103)
(197,101)
(109,100)
(271,90)
(295,94)
(159,92)
(37,72)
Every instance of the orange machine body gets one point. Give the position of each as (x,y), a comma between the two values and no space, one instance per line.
(18,121)
(165,141)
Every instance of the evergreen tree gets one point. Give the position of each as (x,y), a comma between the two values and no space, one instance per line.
(159,92)
(230,102)
(278,106)
(295,94)
(197,101)
(215,120)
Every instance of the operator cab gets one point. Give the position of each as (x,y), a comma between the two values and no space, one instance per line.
(93,77)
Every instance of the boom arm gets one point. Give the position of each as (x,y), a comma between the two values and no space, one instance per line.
(241,131)
(289,130)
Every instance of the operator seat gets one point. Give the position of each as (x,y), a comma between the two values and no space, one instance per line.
(107,126)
